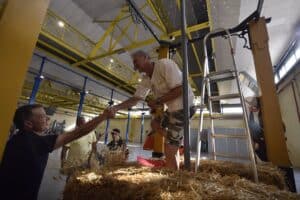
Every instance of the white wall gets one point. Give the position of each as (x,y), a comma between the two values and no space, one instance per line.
(290,117)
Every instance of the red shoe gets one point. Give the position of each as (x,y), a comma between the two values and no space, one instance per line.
(148,162)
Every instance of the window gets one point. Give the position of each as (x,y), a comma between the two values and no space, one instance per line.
(288,61)
(297,53)
(233,110)
(276,78)
(282,71)
(291,61)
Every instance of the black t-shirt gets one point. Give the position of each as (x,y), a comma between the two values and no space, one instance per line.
(114,145)
(22,168)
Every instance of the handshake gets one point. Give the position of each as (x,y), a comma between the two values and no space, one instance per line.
(110,112)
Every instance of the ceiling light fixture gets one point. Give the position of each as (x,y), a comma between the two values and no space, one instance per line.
(111,60)
(61,24)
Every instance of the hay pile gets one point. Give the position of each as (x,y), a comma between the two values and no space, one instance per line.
(267,173)
(117,157)
(130,181)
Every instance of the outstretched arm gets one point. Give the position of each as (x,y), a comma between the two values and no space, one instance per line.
(124,105)
(63,155)
(79,132)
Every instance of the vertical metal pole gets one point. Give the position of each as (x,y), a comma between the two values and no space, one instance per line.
(187,158)
(127,126)
(37,81)
(110,103)
(82,96)
(142,124)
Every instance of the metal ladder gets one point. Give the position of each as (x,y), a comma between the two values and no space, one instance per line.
(215,77)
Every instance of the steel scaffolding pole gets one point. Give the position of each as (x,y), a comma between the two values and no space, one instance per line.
(187,157)
(110,103)
(82,96)
(37,81)
(127,126)
(142,124)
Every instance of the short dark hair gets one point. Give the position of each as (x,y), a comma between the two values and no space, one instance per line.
(24,113)
(116,130)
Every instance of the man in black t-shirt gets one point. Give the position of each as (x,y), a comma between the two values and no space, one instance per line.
(117,142)
(26,153)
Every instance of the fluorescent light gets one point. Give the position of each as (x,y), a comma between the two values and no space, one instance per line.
(139,113)
(297,53)
(234,110)
(204,111)
(276,79)
(282,71)
(290,62)
(61,24)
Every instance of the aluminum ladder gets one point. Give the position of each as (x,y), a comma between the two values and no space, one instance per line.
(215,77)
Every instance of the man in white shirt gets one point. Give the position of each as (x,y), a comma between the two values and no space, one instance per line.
(164,79)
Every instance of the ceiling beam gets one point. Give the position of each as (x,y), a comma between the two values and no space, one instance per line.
(155,12)
(143,43)
(58,51)
(206,24)
(107,32)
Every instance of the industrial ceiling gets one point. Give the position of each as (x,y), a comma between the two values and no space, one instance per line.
(96,38)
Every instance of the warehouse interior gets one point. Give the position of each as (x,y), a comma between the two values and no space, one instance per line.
(74,58)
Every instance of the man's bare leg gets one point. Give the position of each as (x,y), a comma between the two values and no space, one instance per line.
(172,156)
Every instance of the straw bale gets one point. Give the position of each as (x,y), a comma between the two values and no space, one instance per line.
(131,181)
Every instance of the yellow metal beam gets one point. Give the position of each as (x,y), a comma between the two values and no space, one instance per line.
(163,52)
(157,25)
(196,75)
(143,43)
(69,27)
(17,45)
(57,50)
(136,32)
(149,2)
(191,29)
(107,32)
(272,122)
(82,37)
(195,53)
(193,45)
(110,43)
(127,48)
(85,65)
(123,33)
(61,42)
